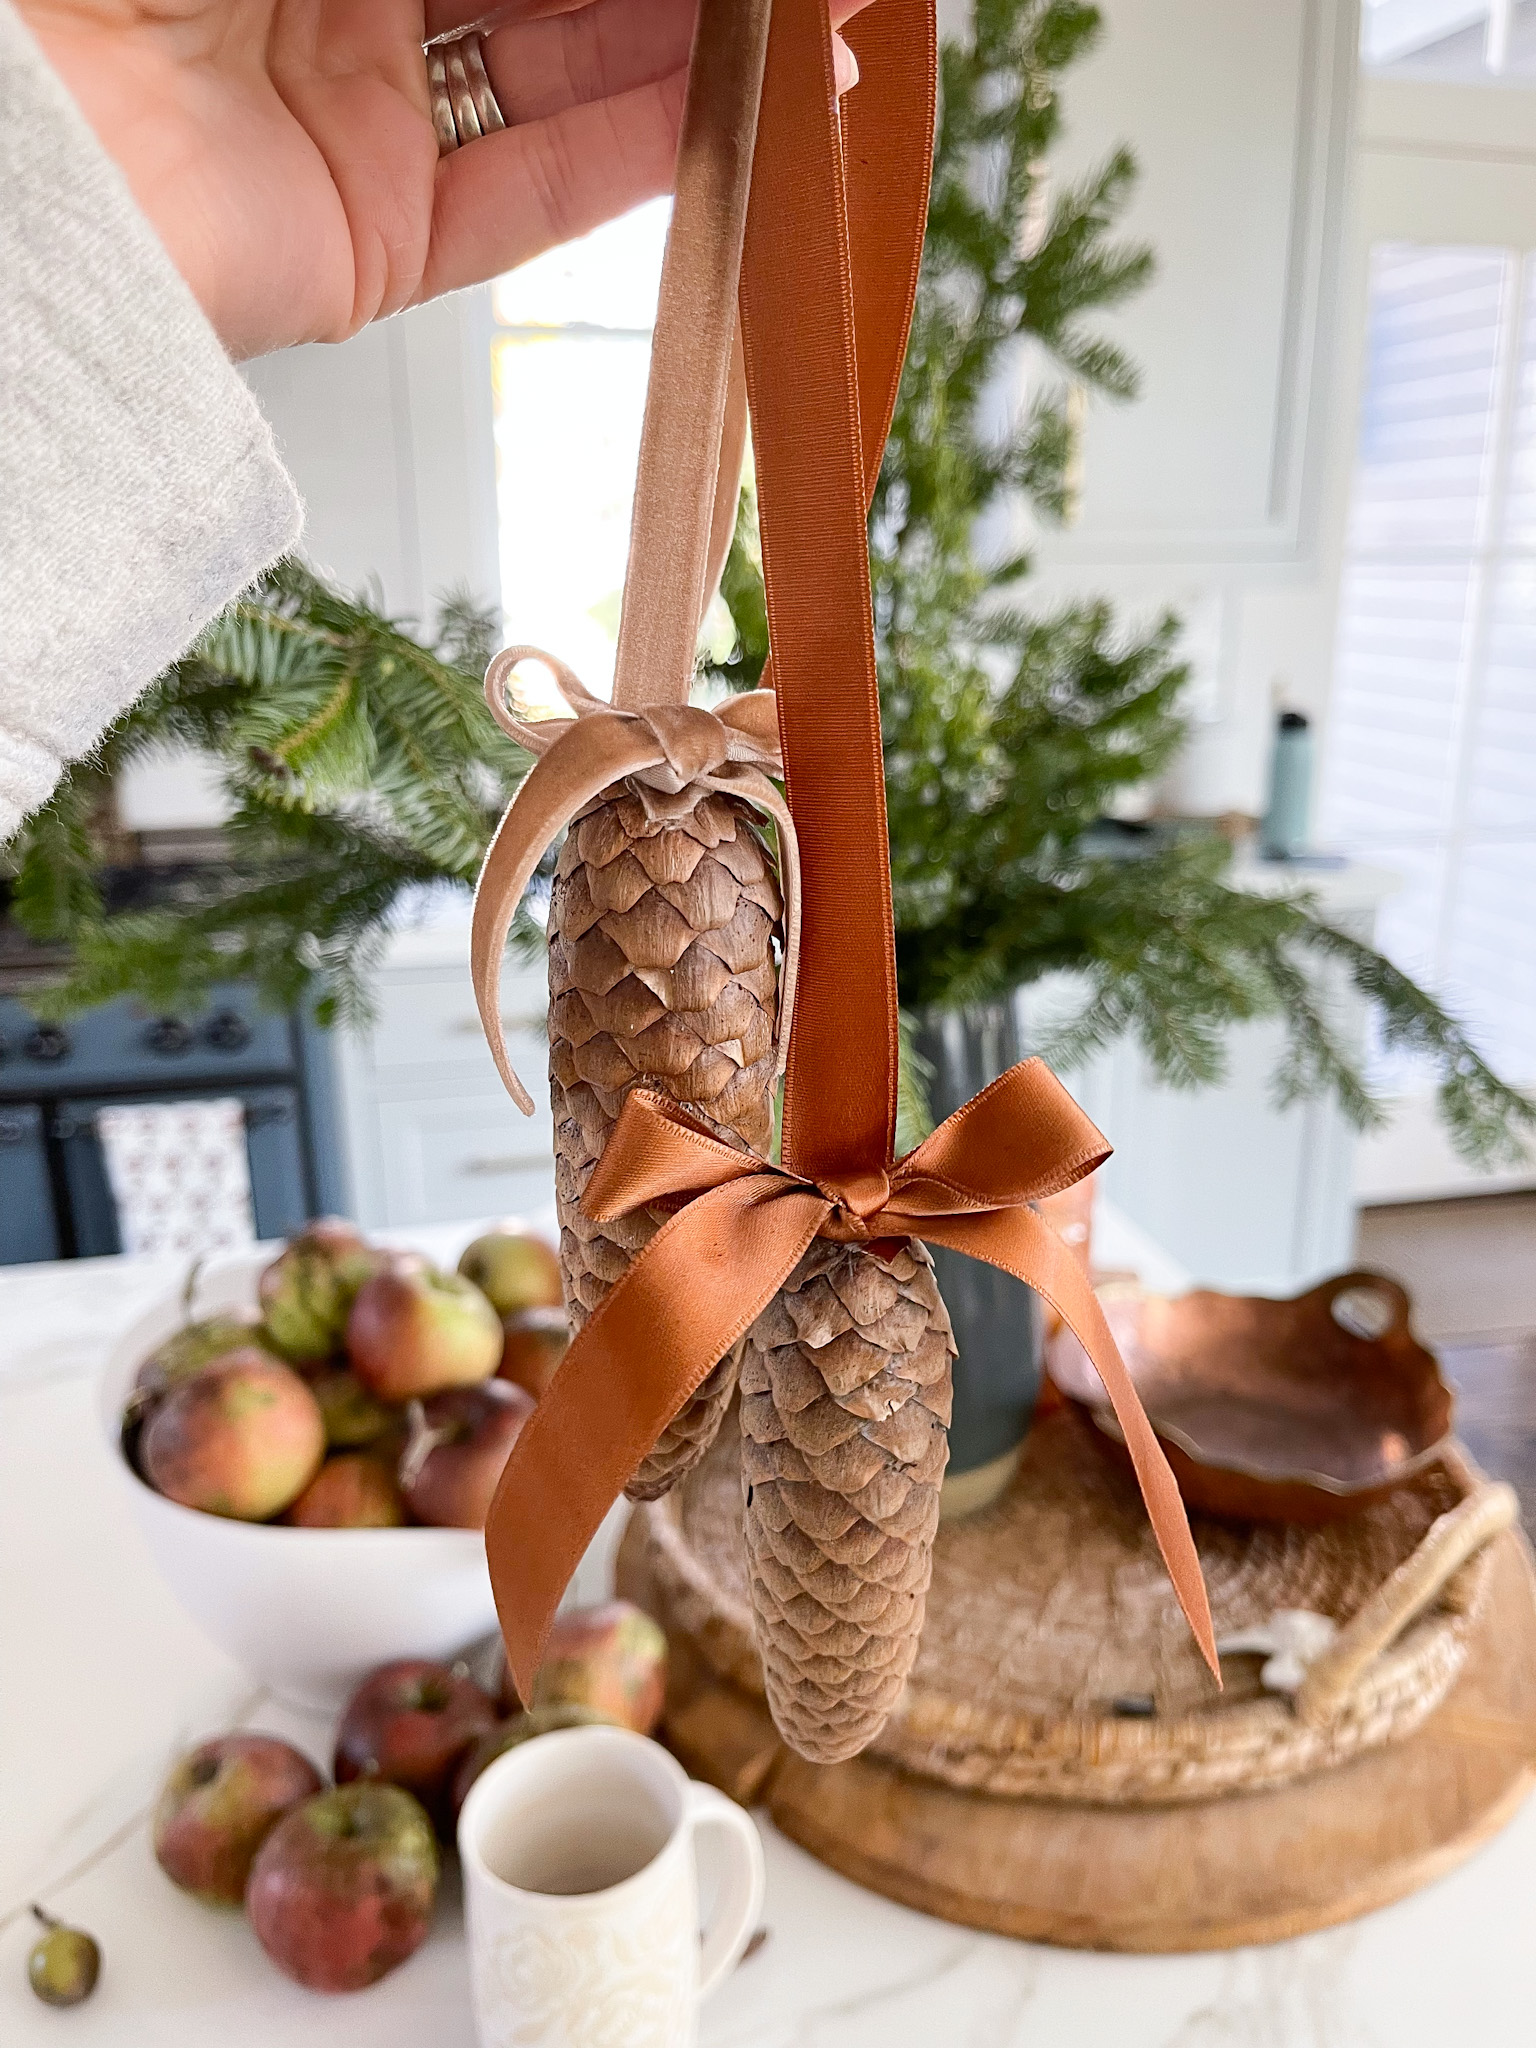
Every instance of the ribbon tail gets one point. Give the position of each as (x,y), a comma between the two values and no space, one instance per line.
(591,754)
(703,1279)
(1022,1243)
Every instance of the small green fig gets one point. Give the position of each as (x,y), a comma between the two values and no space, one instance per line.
(64,1962)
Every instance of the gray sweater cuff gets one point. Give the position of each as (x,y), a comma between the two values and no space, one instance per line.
(139,488)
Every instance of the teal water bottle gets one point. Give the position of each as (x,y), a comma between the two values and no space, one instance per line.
(1283,834)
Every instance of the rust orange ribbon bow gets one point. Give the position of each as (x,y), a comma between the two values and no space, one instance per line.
(741,1227)
(834,203)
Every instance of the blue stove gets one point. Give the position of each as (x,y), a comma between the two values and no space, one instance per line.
(55,1201)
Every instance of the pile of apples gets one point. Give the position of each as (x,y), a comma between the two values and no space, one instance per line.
(340,1883)
(375,1390)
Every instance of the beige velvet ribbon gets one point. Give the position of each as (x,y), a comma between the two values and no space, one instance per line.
(686,491)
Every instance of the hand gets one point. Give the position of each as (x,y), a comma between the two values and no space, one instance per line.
(284,151)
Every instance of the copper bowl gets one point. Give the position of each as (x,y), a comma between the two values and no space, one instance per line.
(1274,1411)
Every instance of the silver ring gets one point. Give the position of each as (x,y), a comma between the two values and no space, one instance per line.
(464,103)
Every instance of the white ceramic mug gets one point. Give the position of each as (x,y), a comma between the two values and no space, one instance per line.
(582,1894)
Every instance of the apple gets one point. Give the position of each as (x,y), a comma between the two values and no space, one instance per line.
(219,1805)
(517,1729)
(308,1289)
(180,1358)
(242,1439)
(343,1888)
(458,1444)
(612,1659)
(352,1490)
(183,1356)
(415,1331)
(515,1270)
(533,1343)
(354,1420)
(409,1723)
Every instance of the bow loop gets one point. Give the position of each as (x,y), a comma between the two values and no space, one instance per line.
(1020,1139)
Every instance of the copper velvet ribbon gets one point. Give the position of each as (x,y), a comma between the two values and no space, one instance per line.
(832,204)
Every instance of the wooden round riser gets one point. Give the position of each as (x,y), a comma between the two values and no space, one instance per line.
(1181,1873)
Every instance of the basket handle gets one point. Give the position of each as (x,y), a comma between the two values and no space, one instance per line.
(1450,1541)
(1362,1280)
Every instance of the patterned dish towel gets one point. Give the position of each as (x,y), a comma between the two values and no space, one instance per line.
(180,1175)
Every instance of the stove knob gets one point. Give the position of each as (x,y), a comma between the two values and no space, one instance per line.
(168,1037)
(227,1031)
(47,1043)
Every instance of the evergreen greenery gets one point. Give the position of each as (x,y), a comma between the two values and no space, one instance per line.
(362,764)
(1009,735)
(359,764)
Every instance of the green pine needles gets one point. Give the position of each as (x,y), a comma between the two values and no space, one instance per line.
(360,765)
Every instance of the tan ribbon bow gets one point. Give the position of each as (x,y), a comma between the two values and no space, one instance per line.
(660,752)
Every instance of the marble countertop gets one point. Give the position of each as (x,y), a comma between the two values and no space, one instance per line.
(103,1680)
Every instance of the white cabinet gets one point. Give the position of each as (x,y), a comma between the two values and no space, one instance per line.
(390,439)
(1239,120)
(431,1135)
(1209,495)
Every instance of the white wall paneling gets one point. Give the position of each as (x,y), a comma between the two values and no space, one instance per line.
(1209,494)
(1239,117)
(389,437)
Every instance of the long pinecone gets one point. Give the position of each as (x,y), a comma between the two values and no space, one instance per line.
(846,1386)
(661,975)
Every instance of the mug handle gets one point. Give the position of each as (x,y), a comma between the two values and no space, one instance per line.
(741,1899)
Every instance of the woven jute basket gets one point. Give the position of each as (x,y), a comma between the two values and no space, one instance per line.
(1054,1664)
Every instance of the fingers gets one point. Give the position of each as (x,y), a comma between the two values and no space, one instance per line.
(446,17)
(507,197)
(546,55)
(605,49)
(590,152)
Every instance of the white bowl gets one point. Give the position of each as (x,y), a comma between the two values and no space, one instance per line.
(308,1612)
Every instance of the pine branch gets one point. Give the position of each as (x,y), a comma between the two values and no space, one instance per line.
(360,765)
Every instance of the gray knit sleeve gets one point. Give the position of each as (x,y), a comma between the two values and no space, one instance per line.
(139,489)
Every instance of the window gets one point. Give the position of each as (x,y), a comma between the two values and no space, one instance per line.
(571,352)
(1456,42)
(1430,764)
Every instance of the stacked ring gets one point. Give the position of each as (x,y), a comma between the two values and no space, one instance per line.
(464,102)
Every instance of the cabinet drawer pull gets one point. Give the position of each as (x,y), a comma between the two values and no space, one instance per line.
(516,1162)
